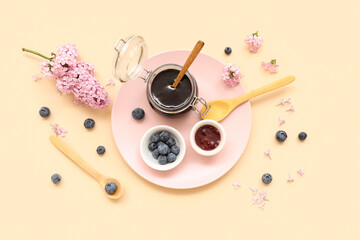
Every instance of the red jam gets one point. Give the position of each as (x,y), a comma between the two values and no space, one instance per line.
(207,137)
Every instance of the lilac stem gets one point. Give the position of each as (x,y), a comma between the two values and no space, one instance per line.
(36,53)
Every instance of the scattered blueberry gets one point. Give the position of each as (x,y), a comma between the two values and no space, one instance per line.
(267,178)
(100,150)
(44,112)
(56,178)
(171,142)
(302,136)
(228,50)
(89,123)
(162,160)
(171,157)
(160,143)
(155,138)
(281,136)
(152,146)
(164,136)
(138,113)
(110,187)
(155,153)
(163,149)
(175,149)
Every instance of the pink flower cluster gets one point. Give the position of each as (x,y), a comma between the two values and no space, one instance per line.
(59,131)
(259,198)
(77,77)
(254,42)
(270,66)
(231,75)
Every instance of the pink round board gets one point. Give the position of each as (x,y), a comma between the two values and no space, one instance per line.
(194,170)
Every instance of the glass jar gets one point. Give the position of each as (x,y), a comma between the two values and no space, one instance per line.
(130,58)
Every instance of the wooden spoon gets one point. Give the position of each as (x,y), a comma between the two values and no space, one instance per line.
(221,108)
(199,45)
(76,158)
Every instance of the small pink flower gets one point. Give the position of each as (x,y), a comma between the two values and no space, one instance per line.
(111,83)
(292,109)
(255,200)
(255,191)
(86,66)
(236,185)
(261,205)
(45,68)
(58,131)
(262,196)
(288,101)
(271,66)
(62,64)
(68,50)
(267,153)
(254,42)
(62,132)
(300,171)
(281,121)
(290,178)
(282,103)
(36,77)
(231,75)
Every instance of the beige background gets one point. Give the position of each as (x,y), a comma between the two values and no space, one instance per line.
(317,41)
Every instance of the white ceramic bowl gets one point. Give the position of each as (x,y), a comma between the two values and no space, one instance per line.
(146,153)
(222,137)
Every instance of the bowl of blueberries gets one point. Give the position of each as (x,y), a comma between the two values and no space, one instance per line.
(162,147)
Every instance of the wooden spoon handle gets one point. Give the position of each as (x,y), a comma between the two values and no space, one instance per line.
(199,45)
(75,157)
(267,88)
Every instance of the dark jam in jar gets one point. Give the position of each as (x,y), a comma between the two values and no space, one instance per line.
(207,137)
(167,96)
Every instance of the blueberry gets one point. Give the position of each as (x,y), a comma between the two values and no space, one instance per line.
(302,136)
(110,187)
(56,178)
(155,153)
(155,138)
(44,112)
(175,149)
(89,123)
(164,136)
(168,151)
(163,149)
(281,136)
(152,146)
(228,50)
(138,113)
(267,178)
(100,150)
(162,160)
(171,142)
(171,157)
(160,143)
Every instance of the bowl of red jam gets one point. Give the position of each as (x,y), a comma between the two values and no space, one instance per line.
(207,137)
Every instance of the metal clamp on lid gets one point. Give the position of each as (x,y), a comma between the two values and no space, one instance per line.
(204,103)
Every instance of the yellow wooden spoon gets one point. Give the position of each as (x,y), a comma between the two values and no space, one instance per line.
(76,158)
(221,108)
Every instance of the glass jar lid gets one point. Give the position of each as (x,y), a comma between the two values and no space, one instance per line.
(130,57)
